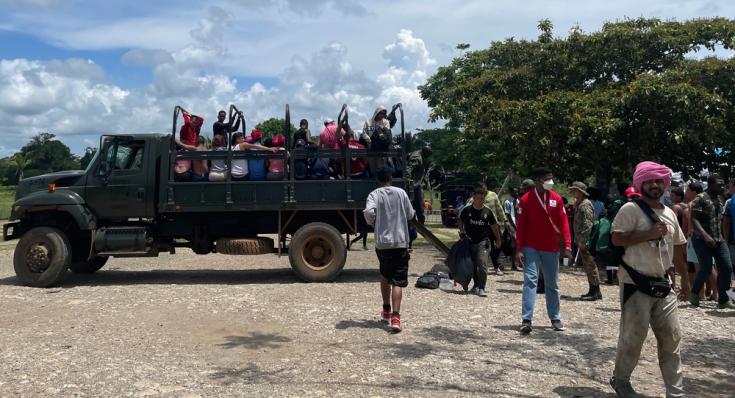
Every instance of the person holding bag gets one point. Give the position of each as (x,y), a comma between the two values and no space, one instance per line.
(542,228)
(652,239)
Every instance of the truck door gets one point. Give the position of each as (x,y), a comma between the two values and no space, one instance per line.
(116,187)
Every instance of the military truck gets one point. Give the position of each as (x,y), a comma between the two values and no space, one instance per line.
(128,204)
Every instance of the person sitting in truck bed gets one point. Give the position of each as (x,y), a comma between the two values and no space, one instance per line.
(240,170)
(182,168)
(358,167)
(221,128)
(303,133)
(328,136)
(199,167)
(276,167)
(257,166)
(190,130)
(218,171)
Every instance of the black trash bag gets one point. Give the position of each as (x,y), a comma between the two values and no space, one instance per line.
(460,264)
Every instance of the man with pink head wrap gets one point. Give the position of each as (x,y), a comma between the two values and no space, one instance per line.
(650,249)
(647,171)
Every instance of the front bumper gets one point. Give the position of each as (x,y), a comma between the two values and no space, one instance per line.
(10,231)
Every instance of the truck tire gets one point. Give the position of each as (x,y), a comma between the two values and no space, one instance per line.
(88,267)
(41,257)
(317,252)
(252,246)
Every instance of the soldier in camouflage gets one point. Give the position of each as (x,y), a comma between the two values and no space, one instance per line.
(584,219)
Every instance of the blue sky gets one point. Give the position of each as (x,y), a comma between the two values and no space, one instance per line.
(80,68)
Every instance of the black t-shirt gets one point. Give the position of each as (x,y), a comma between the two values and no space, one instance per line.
(220,128)
(477,223)
(301,134)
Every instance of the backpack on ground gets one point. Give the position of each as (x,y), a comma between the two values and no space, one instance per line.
(430,280)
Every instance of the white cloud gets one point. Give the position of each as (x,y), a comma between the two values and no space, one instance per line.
(147,57)
(72,99)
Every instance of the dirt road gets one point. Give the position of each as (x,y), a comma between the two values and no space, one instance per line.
(188,326)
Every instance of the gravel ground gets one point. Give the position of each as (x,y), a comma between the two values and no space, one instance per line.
(189,326)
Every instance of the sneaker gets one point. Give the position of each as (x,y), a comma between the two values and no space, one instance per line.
(622,389)
(499,272)
(727,305)
(385,316)
(474,290)
(481,293)
(526,327)
(558,326)
(694,300)
(395,323)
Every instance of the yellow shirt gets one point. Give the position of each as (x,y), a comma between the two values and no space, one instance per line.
(648,258)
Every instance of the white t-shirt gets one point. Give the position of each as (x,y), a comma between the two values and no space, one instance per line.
(648,258)
(219,165)
(239,166)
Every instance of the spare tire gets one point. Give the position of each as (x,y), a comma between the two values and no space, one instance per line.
(251,246)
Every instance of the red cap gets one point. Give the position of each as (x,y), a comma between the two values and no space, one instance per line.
(632,193)
(279,140)
(256,134)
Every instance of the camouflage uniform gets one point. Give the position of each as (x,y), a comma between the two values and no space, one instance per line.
(584,219)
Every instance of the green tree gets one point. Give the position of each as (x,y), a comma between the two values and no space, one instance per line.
(21,162)
(594,104)
(47,154)
(274,126)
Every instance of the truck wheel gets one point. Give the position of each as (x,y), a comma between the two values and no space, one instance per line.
(88,267)
(41,257)
(317,252)
(244,246)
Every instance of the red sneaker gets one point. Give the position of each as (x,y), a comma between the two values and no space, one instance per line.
(395,323)
(385,316)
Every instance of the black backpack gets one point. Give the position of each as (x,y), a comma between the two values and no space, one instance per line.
(430,280)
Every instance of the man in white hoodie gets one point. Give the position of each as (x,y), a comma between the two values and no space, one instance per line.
(388,209)
(377,136)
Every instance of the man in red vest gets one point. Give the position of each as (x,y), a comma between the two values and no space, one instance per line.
(542,225)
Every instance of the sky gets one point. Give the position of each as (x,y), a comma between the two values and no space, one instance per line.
(79,69)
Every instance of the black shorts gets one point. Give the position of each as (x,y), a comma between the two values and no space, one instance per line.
(394,265)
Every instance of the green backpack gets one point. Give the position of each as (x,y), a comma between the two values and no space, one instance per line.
(603,242)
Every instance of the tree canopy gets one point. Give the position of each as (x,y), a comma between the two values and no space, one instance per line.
(594,104)
(274,126)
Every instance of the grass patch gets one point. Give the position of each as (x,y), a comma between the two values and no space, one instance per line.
(7,197)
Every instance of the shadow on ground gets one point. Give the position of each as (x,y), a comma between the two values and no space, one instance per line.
(255,341)
(199,277)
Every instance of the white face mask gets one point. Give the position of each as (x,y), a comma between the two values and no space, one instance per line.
(548,184)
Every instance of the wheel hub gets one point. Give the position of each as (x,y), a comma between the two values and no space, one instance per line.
(318,252)
(37,258)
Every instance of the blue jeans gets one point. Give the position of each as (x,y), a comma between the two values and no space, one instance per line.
(721,256)
(549,261)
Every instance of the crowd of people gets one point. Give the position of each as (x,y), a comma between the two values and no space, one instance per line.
(372,143)
(657,238)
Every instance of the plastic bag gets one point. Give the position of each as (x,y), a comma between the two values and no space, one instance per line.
(460,264)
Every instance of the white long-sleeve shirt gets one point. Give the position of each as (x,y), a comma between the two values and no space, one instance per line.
(388,209)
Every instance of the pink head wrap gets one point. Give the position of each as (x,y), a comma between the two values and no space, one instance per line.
(647,171)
